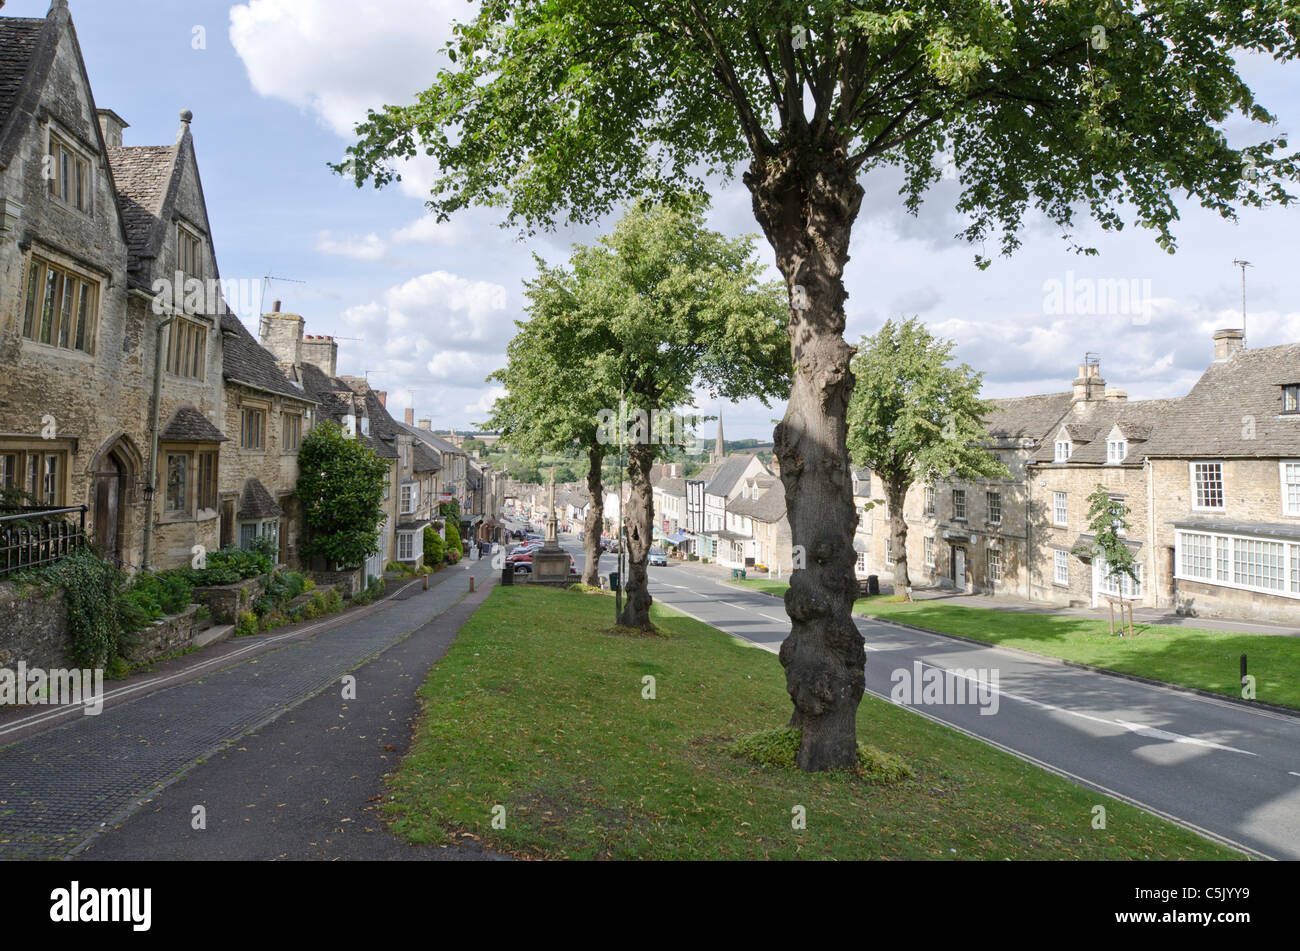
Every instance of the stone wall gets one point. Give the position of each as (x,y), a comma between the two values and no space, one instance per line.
(227,600)
(34,629)
(163,637)
(349,583)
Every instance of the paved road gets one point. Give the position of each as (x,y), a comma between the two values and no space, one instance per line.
(1229,771)
(60,787)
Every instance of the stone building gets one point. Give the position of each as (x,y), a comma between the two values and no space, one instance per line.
(1223,490)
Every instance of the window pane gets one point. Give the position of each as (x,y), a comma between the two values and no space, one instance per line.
(50,487)
(53,291)
(177,483)
(67,312)
(33,296)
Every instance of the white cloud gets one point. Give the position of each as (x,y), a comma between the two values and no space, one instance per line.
(338,58)
(428,230)
(369,247)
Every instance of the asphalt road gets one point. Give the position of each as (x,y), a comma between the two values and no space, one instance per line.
(1229,771)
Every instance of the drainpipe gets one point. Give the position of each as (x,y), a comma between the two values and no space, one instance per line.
(154,412)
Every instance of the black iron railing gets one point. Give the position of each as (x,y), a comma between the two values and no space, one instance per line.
(31,536)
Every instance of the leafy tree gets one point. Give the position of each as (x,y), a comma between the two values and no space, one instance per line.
(658,307)
(1107,523)
(914,416)
(473,445)
(341,486)
(553,405)
(450,510)
(1073,108)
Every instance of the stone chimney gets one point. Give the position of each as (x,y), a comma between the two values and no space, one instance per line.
(383,398)
(111,125)
(410,416)
(426,424)
(1227,342)
(1088,385)
(282,335)
(1116,396)
(322,353)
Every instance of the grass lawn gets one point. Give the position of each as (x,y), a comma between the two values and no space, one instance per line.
(537,709)
(1188,656)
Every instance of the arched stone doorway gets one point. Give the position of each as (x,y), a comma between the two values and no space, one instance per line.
(114,474)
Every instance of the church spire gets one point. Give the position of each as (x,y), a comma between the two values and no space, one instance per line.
(718,448)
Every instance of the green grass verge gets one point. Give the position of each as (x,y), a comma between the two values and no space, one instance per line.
(1186,656)
(537,709)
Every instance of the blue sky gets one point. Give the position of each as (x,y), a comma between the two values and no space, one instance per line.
(275,86)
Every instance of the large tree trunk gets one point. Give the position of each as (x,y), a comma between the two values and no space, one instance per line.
(896,494)
(640,530)
(594,523)
(806,205)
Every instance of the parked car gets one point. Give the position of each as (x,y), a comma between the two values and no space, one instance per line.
(523,563)
(658,557)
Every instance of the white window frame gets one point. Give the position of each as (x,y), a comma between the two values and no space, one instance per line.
(1063,450)
(408,500)
(1061,568)
(1060,509)
(862,563)
(1220,562)
(992,556)
(962,494)
(1116,451)
(1292,511)
(889,557)
(929,550)
(989,496)
(1196,495)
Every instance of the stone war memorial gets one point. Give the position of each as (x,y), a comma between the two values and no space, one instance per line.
(551,562)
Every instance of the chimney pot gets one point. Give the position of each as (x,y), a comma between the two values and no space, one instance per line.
(410,416)
(275,308)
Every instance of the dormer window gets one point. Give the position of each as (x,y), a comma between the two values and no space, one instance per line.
(1291,398)
(189,252)
(1063,450)
(1116,450)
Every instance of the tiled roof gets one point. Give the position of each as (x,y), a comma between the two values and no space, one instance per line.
(1026,417)
(1092,421)
(18,39)
(256,502)
(673,487)
(729,473)
(768,507)
(246,361)
(1234,409)
(425,459)
(189,425)
(143,175)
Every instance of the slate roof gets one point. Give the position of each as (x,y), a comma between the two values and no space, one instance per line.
(143,175)
(18,40)
(1027,417)
(1090,423)
(1234,410)
(728,474)
(256,502)
(189,425)
(425,459)
(768,507)
(674,487)
(247,362)
(337,399)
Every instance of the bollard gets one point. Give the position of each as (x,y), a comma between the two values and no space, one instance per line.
(471,584)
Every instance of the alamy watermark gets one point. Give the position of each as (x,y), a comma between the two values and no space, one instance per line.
(1099,297)
(37,686)
(640,427)
(927,685)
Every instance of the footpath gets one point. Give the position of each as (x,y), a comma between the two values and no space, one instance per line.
(83,786)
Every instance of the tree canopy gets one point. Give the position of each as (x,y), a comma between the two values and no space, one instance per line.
(341,486)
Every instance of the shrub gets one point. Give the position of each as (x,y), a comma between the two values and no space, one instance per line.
(333,601)
(247,624)
(341,488)
(229,566)
(434,548)
(94,595)
(779,749)
(453,542)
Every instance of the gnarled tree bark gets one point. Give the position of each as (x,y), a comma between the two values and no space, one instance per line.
(895,494)
(639,519)
(594,524)
(806,204)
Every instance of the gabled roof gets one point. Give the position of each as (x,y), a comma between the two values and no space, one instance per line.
(18,40)
(730,472)
(144,175)
(1027,417)
(247,362)
(424,458)
(1090,422)
(256,502)
(189,425)
(1234,410)
(337,400)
